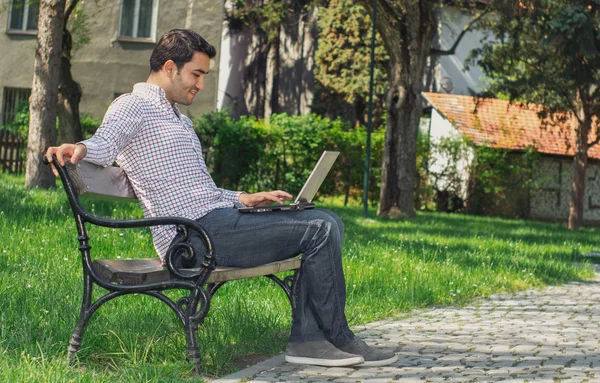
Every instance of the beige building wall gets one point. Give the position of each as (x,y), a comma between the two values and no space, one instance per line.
(108,66)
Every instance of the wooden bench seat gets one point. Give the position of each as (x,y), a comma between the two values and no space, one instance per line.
(152,270)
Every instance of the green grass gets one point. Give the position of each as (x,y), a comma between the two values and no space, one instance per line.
(391,267)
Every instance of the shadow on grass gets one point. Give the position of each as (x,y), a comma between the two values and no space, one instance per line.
(458,239)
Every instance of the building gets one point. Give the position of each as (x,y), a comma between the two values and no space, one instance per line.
(499,124)
(122,34)
(450,73)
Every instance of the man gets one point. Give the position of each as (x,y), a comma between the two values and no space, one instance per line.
(158,149)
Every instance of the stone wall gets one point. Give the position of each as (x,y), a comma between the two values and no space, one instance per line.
(555,178)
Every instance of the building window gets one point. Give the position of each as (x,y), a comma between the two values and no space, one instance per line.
(23,15)
(13,100)
(138,19)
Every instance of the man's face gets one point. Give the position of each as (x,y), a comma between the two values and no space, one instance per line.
(189,80)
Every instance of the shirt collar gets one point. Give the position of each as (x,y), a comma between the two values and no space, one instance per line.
(156,94)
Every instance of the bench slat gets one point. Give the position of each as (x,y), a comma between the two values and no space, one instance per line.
(151,270)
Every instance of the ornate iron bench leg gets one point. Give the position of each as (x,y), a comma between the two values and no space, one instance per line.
(192,347)
(288,284)
(195,307)
(84,316)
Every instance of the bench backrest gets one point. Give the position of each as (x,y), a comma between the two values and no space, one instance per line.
(93,180)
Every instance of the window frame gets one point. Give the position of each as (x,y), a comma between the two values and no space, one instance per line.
(153,25)
(23,30)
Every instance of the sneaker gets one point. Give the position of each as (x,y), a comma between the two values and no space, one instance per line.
(373,356)
(320,353)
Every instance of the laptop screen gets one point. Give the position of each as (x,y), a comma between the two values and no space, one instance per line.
(317,176)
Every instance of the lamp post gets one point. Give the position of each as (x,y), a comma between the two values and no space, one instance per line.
(370,120)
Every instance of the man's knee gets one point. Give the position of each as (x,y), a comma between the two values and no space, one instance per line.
(335,220)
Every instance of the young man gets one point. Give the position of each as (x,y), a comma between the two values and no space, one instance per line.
(156,146)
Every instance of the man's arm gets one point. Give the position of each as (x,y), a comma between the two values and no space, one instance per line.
(121,122)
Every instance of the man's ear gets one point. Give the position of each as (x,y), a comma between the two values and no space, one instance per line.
(169,68)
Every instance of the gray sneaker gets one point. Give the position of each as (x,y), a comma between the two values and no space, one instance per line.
(320,353)
(373,356)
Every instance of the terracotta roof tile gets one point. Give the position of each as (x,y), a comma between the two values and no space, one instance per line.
(500,124)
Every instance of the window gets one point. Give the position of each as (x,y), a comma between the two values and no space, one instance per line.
(138,19)
(23,15)
(14,98)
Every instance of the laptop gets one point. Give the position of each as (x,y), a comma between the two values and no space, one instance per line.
(307,193)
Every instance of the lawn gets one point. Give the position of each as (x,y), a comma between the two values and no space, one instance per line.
(392,267)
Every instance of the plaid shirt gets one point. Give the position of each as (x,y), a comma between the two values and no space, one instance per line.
(159,151)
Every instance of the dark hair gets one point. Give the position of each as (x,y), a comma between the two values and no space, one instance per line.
(179,45)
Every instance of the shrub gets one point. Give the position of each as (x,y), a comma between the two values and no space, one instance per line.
(279,152)
(89,124)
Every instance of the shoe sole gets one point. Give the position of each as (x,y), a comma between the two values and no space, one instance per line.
(325,362)
(378,363)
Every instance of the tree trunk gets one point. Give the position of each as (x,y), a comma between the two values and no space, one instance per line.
(409,29)
(69,95)
(276,62)
(400,152)
(44,93)
(579,171)
(256,76)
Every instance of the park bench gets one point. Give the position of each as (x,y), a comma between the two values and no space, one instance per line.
(149,276)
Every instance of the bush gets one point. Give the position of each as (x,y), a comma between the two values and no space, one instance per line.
(279,152)
(20,124)
(89,125)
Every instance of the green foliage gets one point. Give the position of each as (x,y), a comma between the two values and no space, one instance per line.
(20,124)
(545,52)
(89,124)
(262,16)
(425,191)
(501,181)
(343,57)
(448,169)
(493,181)
(279,152)
(78,25)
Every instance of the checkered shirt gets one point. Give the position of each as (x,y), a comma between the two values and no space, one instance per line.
(159,151)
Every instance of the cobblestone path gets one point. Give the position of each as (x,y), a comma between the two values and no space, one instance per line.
(550,335)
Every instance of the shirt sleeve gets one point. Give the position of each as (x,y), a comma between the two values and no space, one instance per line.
(228,195)
(121,123)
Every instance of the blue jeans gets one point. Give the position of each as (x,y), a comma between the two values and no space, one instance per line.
(247,240)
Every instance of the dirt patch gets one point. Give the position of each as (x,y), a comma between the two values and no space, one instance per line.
(244,361)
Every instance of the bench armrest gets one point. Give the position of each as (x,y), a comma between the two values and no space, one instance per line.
(183,247)
(184,226)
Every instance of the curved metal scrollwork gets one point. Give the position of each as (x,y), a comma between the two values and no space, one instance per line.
(184,251)
(202,311)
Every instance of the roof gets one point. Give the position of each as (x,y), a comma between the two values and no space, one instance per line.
(504,125)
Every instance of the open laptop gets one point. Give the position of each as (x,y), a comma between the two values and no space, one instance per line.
(308,191)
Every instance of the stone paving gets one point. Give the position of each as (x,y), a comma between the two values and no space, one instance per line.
(550,335)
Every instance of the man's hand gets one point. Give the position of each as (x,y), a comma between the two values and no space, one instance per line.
(72,152)
(264,198)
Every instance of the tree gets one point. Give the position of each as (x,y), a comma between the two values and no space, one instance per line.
(69,90)
(268,23)
(343,58)
(548,52)
(408,27)
(44,92)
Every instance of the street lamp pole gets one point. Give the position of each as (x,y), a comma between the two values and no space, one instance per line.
(370,121)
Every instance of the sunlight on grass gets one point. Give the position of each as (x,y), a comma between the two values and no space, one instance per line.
(391,267)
